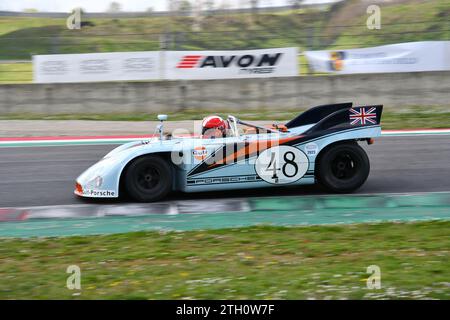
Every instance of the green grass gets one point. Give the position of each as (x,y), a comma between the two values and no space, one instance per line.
(21,37)
(405,118)
(249,263)
(16,73)
(414,120)
(395,27)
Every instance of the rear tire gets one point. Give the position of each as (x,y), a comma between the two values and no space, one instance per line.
(343,167)
(148,179)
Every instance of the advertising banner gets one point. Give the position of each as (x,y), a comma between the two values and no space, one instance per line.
(92,67)
(278,62)
(401,57)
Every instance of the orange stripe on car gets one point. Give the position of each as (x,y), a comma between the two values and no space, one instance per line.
(252,148)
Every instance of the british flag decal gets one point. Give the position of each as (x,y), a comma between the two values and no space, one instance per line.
(363,116)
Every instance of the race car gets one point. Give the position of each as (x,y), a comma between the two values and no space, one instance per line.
(318,146)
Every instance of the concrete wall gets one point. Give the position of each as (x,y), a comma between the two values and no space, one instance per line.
(393,90)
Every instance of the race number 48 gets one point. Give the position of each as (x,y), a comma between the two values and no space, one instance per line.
(281,165)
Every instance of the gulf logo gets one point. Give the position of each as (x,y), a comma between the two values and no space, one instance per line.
(200,153)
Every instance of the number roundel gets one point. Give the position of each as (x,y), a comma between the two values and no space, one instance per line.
(281,165)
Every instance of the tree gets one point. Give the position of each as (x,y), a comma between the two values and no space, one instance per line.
(254,5)
(224,6)
(209,5)
(185,6)
(173,5)
(197,16)
(295,4)
(114,7)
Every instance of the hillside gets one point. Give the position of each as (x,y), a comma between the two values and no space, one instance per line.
(401,21)
(343,26)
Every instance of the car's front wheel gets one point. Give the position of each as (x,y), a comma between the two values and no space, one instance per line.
(343,167)
(148,179)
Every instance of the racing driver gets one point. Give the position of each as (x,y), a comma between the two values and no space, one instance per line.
(214,127)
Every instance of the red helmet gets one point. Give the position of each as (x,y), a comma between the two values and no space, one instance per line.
(214,126)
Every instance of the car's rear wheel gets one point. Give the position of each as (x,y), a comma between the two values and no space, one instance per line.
(343,167)
(148,179)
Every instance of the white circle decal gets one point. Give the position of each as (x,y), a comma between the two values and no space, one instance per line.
(281,165)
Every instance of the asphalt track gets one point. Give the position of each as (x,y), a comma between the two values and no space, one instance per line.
(41,176)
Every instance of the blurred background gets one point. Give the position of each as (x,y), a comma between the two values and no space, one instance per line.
(30,28)
(61,111)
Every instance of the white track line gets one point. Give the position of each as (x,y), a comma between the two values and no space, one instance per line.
(118,140)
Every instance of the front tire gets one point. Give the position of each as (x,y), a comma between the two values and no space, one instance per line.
(148,179)
(343,167)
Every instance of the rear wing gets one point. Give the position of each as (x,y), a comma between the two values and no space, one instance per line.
(348,118)
(316,114)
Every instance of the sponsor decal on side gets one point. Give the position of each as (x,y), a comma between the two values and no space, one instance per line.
(99,193)
(224,180)
(200,153)
(311,149)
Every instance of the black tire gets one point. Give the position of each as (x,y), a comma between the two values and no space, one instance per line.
(148,179)
(342,167)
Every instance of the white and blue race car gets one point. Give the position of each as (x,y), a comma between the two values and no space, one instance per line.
(320,145)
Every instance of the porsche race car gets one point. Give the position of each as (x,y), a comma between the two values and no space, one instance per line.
(318,146)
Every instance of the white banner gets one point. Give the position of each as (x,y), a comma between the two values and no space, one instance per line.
(278,62)
(402,57)
(89,67)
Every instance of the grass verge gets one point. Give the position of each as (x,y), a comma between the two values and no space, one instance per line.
(247,263)
(405,118)
(16,72)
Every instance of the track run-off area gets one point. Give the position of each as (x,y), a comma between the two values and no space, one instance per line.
(409,180)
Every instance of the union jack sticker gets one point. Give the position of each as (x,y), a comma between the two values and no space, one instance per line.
(363,116)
